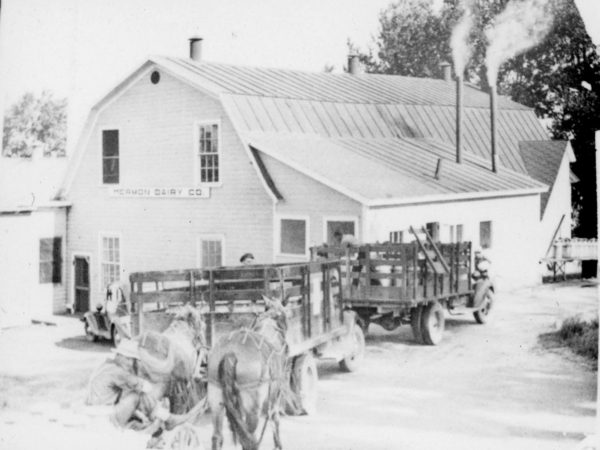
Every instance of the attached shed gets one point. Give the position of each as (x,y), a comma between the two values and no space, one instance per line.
(32,240)
(189,163)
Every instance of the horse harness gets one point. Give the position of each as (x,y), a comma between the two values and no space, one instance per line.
(259,343)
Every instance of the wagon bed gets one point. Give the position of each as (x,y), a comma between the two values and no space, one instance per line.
(230,298)
(395,283)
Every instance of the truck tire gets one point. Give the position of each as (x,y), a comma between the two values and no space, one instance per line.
(304,383)
(432,323)
(354,359)
(416,315)
(482,314)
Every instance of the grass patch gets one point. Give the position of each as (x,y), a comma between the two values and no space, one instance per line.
(581,336)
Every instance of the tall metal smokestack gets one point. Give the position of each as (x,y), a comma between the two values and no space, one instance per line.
(493,120)
(196,48)
(459,118)
(353,64)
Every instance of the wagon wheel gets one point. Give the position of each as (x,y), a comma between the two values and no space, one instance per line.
(432,323)
(89,336)
(482,314)
(415,323)
(354,359)
(304,383)
(184,437)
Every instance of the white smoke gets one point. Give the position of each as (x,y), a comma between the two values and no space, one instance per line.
(523,24)
(459,41)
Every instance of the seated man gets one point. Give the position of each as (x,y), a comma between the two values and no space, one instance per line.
(135,400)
(117,383)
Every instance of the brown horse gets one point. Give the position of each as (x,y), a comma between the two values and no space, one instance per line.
(247,377)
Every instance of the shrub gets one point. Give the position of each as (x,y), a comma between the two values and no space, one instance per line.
(581,336)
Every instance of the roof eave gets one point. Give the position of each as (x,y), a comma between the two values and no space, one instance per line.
(442,198)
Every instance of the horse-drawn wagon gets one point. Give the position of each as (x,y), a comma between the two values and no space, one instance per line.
(411,283)
(230,298)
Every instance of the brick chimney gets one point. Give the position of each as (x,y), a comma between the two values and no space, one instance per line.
(446,71)
(353,64)
(196,48)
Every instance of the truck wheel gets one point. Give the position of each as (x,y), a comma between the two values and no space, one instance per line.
(304,383)
(352,362)
(482,314)
(89,336)
(115,336)
(415,323)
(432,323)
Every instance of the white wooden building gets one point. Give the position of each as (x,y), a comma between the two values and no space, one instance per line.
(188,163)
(32,240)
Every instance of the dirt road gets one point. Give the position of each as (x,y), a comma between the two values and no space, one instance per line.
(483,387)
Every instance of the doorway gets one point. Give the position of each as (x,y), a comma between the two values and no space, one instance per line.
(82,284)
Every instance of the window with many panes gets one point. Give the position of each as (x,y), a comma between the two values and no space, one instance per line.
(211,252)
(485,234)
(110,260)
(293,237)
(51,260)
(110,156)
(208,152)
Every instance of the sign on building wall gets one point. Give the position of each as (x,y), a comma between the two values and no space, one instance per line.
(160,192)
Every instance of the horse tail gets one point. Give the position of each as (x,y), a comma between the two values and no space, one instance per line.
(232,402)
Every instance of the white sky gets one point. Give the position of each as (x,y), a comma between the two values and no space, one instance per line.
(81,48)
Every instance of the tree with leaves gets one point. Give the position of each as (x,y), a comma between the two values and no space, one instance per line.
(35,124)
(559,78)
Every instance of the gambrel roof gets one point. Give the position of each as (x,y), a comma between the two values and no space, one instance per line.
(400,127)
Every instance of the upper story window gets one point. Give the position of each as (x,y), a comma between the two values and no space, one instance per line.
(110,156)
(208,152)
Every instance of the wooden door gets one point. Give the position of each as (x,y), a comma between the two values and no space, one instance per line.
(82,284)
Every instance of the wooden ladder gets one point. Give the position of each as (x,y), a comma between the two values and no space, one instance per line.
(433,255)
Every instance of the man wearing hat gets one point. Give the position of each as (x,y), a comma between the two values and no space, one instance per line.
(135,400)
(116,382)
(247,259)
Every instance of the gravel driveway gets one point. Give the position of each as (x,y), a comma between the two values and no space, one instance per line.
(484,387)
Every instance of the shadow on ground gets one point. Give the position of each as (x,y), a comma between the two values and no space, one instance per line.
(80,343)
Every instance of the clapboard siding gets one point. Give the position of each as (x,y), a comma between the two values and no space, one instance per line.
(156,133)
(303,196)
(515,231)
(559,204)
